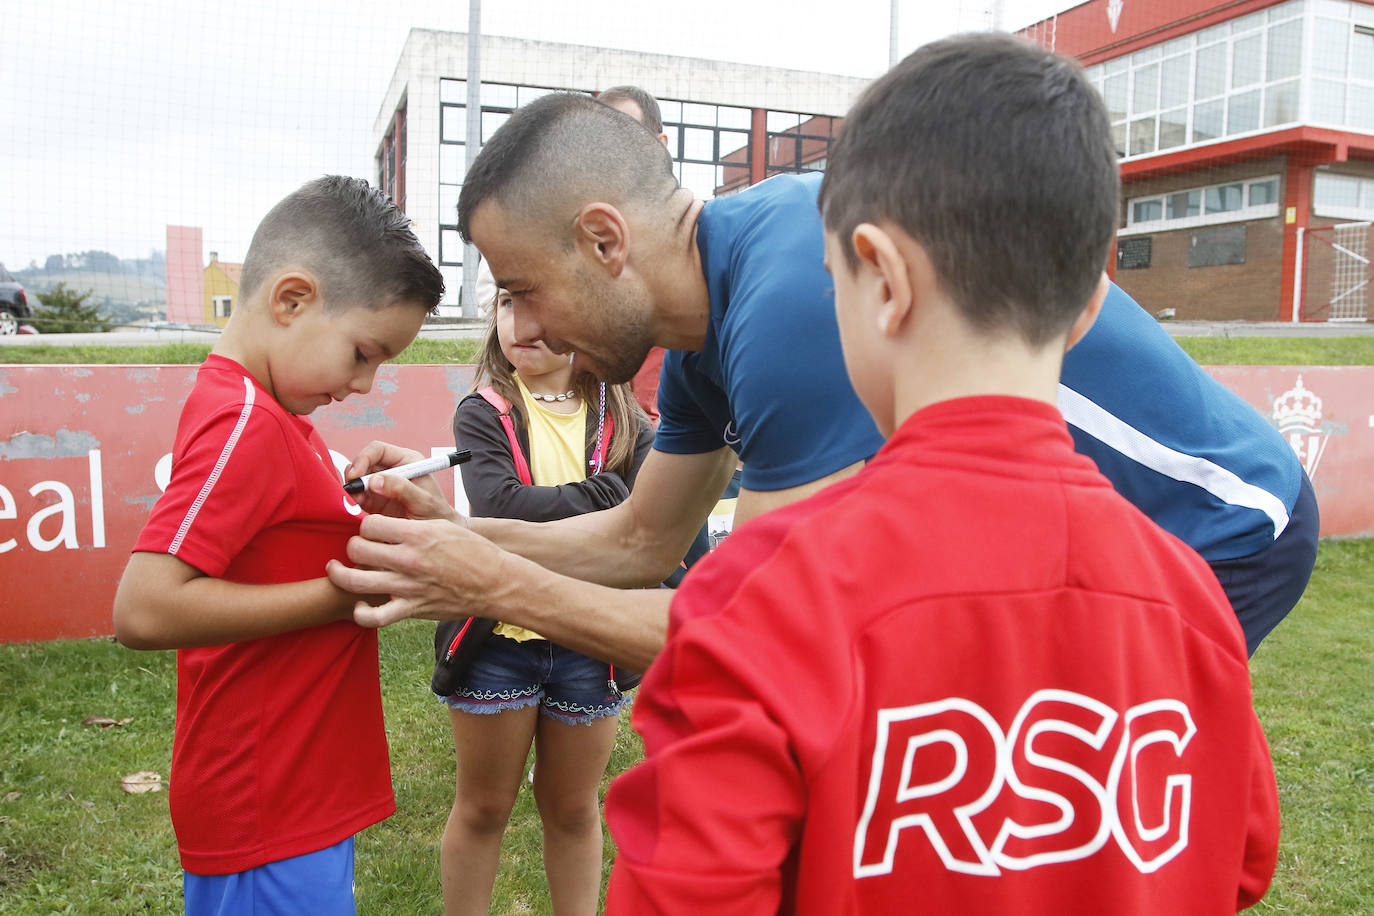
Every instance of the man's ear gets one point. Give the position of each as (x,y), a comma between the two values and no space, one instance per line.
(884,270)
(602,235)
(291,295)
(1084,322)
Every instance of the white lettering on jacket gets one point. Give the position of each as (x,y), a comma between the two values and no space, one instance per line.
(938,766)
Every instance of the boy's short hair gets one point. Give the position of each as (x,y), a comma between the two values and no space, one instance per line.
(996,156)
(651,117)
(353,238)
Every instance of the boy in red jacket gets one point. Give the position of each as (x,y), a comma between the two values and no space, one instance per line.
(279,756)
(972,678)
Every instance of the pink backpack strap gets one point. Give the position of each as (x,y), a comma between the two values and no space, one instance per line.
(522,467)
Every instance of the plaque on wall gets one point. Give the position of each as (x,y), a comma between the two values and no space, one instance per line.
(1134,253)
(1217,245)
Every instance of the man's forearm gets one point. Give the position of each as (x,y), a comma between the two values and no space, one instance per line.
(626,627)
(590,547)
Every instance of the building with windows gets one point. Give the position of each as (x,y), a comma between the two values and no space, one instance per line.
(728,125)
(1246,135)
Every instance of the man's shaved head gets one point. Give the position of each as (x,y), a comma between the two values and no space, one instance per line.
(561,152)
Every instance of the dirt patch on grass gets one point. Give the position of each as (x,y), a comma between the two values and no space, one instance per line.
(18,865)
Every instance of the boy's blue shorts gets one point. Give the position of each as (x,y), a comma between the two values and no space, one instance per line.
(317,882)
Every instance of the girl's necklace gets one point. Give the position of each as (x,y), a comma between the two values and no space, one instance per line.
(551,398)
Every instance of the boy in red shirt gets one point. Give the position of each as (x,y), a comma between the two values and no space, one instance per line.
(972,678)
(279,755)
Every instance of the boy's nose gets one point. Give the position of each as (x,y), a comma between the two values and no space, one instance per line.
(362,383)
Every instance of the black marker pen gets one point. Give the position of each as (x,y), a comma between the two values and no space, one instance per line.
(412,470)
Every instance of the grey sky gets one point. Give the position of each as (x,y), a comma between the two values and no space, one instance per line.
(122,118)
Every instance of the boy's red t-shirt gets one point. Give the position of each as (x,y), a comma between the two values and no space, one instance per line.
(279,747)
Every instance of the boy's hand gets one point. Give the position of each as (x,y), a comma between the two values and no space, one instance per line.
(394,496)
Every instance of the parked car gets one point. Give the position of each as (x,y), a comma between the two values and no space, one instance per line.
(14,304)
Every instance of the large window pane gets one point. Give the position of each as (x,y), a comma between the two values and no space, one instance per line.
(1362,109)
(1119,138)
(782,120)
(448,204)
(1173,82)
(1185,204)
(450,247)
(1225,198)
(670,110)
(704,115)
(1328,102)
(1113,93)
(698,143)
(452,163)
(453,91)
(1335,190)
(1211,72)
(1142,136)
(1285,50)
(734,142)
(1147,211)
(1362,58)
(1145,89)
(734,117)
(1208,120)
(1281,103)
(491,122)
(1246,56)
(1173,128)
(1243,113)
(453,123)
(1264,192)
(499,95)
(1329,51)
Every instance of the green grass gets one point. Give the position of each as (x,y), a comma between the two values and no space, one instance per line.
(462,350)
(1280,351)
(73,842)
(1210,351)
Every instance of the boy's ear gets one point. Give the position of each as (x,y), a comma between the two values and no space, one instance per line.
(602,234)
(1084,322)
(291,295)
(881,264)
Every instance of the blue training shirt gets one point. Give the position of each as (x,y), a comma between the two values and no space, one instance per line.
(1189,452)
(769,380)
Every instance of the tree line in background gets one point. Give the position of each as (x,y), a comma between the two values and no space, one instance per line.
(94,290)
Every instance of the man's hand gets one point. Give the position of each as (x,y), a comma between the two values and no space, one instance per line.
(394,496)
(431,568)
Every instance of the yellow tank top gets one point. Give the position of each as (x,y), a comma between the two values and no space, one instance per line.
(558,454)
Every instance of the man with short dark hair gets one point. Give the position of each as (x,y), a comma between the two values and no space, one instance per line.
(577,210)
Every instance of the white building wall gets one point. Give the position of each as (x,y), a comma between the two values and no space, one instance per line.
(431,55)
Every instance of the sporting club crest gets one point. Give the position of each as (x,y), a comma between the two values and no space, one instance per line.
(1298,415)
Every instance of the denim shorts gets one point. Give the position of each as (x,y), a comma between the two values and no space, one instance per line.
(509,674)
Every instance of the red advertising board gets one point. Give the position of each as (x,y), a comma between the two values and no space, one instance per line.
(83,448)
